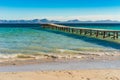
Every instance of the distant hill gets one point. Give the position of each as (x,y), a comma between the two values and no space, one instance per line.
(55,21)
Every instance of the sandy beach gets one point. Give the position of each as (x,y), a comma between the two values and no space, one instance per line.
(63,75)
(72,74)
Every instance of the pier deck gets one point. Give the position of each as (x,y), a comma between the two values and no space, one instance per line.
(113,34)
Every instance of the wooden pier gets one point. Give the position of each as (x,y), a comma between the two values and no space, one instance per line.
(113,34)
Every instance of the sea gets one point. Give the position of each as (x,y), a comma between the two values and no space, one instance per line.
(32,38)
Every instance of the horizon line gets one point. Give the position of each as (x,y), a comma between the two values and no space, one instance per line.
(61,20)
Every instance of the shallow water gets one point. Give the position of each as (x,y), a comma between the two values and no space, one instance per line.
(31,38)
(65,65)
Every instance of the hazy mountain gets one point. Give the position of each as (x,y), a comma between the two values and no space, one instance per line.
(55,21)
(75,20)
(107,21)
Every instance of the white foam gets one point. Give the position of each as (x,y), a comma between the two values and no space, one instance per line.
(8,55)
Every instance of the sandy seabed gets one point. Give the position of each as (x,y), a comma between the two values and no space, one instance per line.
(63,75)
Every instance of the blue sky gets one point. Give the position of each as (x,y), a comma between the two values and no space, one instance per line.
(60,9)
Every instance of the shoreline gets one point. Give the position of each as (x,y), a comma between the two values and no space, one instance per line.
(25,59)
(53,66)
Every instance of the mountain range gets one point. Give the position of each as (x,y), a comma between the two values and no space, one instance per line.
(56,21)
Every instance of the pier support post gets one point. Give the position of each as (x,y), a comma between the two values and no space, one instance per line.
(104,33)
(72,30)
(80,31)
(97,33)
(69,29)
(90,32)
(85,32)
(117,35)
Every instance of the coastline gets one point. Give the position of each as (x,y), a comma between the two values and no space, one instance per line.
(15,62)
(25,59)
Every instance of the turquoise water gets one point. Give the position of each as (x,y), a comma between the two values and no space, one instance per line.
(29,39)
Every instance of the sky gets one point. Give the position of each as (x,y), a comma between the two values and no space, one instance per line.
(60,9)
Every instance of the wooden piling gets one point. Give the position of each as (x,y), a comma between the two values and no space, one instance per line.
(85,31)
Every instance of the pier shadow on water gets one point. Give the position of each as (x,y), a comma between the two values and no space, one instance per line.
(96,41)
